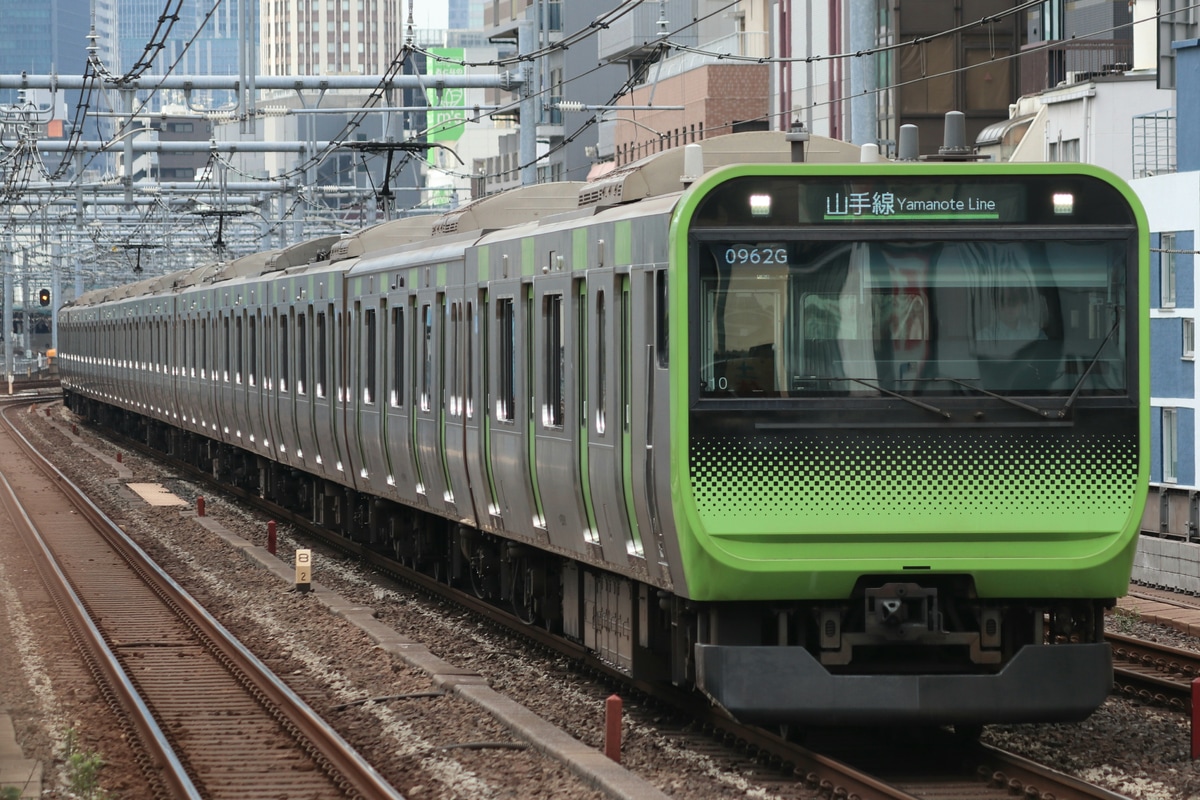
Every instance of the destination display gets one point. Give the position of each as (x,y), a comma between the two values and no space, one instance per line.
(926,202)
(897,197)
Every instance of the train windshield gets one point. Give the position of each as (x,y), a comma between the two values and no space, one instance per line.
(871,318)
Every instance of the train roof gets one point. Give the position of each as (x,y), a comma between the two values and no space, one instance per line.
(169,281)
(662,173)
(248,265)
(301,254)
(513,207)
(383,236)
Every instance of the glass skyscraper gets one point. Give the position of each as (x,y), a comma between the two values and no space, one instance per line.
(43,37)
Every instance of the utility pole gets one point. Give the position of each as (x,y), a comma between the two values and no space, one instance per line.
(863,101)
(527,141)
(8,312)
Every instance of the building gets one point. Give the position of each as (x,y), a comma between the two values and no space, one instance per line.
(43,38)
(976,56)
(563,152)
(710,82)
(1173,205)
(145,44)
(465,15)
(334,37)
(169,166)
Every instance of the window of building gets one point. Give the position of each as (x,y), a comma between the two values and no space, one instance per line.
(1064,150)
(1189,338)
(1170,445)
(1167,270)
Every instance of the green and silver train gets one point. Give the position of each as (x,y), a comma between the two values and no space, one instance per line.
(831,442)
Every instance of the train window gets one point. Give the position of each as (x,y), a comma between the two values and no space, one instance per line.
(506,342)
(485,355)
(368,367)
(438,380)
(634,546)
(426,356)
(302,350)
(870,318)
(204,365)
(284,375)
(253,350)
(470,370)
(228,347)
(241,355)
(452,373)
(553,356)
(582,373)
(626,355)
(601,361)
(322,354)
(397,389)
(661,318)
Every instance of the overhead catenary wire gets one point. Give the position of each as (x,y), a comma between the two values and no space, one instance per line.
(625,8)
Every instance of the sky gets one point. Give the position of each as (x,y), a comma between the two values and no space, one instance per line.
(427,13)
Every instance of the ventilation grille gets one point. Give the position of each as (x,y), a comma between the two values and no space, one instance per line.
(895,483)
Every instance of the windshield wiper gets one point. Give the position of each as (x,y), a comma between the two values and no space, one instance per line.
(1062,412)
(1012,401)
(875,385)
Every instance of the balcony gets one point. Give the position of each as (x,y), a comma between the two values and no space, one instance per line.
(501,18)
(1045,65)
(638,33)
(753,44)
(1154,144)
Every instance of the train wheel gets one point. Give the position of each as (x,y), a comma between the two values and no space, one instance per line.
(524,603)
(483,572)
(968,733)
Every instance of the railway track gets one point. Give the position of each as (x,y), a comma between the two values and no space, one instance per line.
(208,718)
(1154,672)
(901,771)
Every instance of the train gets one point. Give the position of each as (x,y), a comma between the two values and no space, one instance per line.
(831,441)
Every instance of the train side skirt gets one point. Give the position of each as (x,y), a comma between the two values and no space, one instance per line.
(786,685)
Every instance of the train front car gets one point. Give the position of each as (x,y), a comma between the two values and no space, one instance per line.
(911,439)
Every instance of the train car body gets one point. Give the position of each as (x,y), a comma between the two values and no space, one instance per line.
(832,442)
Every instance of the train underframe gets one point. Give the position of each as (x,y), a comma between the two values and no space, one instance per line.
(897,650)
